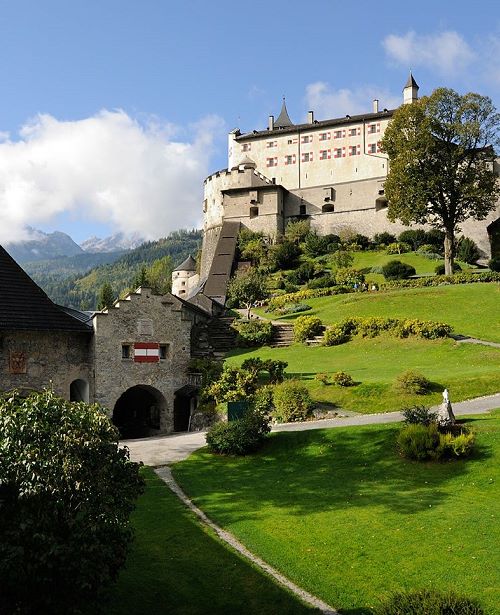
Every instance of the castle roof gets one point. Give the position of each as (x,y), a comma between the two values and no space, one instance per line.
(24,305)
(294,128)
(411,83)
(283,120)
(189,264)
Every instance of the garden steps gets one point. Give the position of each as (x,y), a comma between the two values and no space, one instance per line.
(282,335)
(221,338)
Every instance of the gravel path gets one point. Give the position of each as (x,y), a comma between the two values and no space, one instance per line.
(163,450)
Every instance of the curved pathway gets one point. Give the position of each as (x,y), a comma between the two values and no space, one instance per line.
(163,450)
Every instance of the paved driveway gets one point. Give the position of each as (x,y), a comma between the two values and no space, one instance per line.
(163,450)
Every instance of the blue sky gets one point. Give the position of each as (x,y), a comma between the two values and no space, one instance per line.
(112,112)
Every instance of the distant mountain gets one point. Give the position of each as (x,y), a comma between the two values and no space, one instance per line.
(43,246)
(114,243)
(66,266)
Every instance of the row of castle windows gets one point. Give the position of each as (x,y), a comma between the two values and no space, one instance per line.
(323,136)
(325,154)
(326,208)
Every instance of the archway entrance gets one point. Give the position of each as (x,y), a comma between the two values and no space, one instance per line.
(494,235)
(79,390)
(138,411)
(185,403)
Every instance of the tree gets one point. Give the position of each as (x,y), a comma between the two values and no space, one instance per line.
(66,493)
(106,296)
(441,152)
(247,288)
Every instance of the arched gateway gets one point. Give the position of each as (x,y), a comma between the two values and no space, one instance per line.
(138,411)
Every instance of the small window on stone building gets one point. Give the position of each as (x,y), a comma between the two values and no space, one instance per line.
(254,212)
(302,210)
(126,354)
(327,208)
(164,351)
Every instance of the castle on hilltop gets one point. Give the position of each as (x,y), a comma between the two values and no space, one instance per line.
(330,172)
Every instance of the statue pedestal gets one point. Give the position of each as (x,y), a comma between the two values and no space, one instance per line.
(445,414)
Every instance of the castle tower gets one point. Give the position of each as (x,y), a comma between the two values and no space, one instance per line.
(185,278)
(410,91)
(283,120)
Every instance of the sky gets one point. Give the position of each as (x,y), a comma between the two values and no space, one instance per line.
(113,112)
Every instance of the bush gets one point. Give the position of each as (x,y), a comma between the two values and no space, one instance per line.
(325,281)
(302,295)
(335,335)
(428,602)
(418,442)
(322,377)
(412,382)
(342,379)
(284,255)
(398,248)
(396,270)
(316,245)
(262,401)
(418,415)
(458,278)
(384,239)
(294,308)
(302,274)
(342,259)
(348,276)
(292,402)
(361,240)
(306,327)
(415,238)
(494,263)
(439,270)
(238,437)
(66,492)
(467,251)
(253,333)
(455,445)
(233,385)
(435,238)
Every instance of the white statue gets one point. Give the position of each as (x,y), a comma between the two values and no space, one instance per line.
(446,397)
(445,414)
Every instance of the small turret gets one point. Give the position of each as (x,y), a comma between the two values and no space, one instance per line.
(184,278)
(410,91)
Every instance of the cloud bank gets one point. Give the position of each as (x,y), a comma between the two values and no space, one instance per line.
(326,102)
(109,168)
(446,52)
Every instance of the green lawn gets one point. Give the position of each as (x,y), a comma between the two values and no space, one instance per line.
(178,567)
(342,515)
(467,370)
(472,309)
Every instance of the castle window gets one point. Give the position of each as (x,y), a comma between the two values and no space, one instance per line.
(164,348)
(126,351)
(354,132)
(338,152)
(338,134)
(372,148)
(290,159)
(307,157)
(302,210)
(325,154)
(272,143)
(290,141)
(254,212)
(306,139)
(328,208)
(246,147)
(271,162)
(354,150)
(372,129)
(324,136)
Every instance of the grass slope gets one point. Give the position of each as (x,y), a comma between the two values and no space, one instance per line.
(178,567)
(467,370)
(472,309)
(343,516)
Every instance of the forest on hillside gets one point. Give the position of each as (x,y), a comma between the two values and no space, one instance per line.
(151,263)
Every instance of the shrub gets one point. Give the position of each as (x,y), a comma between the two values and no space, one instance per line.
(306,327)
(342,379)
(414,237)
(302,274)
(428,602)
(292,402)
(325,281)
(322,377)
(302,295)
(66,492)
(361,240)
(284,255)
(418,442)
(384,239)
(435,238)
(342,259)
(455,445)
(398,248)
(294,308)
(233,385)
(253,333)
(396,270)
(210,369)
(418,415)
(335,335)
(439,270)
(238,437)
(494,263)
(458,278)
(316,245)
(412,382)
(297,230)
(467,251)
(262,401)
(348,276)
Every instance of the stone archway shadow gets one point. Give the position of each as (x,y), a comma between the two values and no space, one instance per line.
(494,237)
(138,411)
(79,390)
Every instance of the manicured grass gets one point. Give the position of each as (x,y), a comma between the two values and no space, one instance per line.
(178,567)
(472,309)
(342,515)
(467,370)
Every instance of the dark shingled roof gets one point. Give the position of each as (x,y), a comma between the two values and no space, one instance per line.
(187,265)
(283,120)
(24,305)
(411,83)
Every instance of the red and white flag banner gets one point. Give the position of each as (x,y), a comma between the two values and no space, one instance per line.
(146,352)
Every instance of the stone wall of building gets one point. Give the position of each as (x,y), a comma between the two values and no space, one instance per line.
(143,317)
(32,360)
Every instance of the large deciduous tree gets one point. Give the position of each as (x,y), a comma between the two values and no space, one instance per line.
(441,152)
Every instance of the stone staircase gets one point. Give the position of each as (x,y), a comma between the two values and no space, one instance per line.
(221,336)
(317,340)
(282,335)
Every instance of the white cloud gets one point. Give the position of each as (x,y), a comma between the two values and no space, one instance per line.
(327,102)
(447,52)
(108,168)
